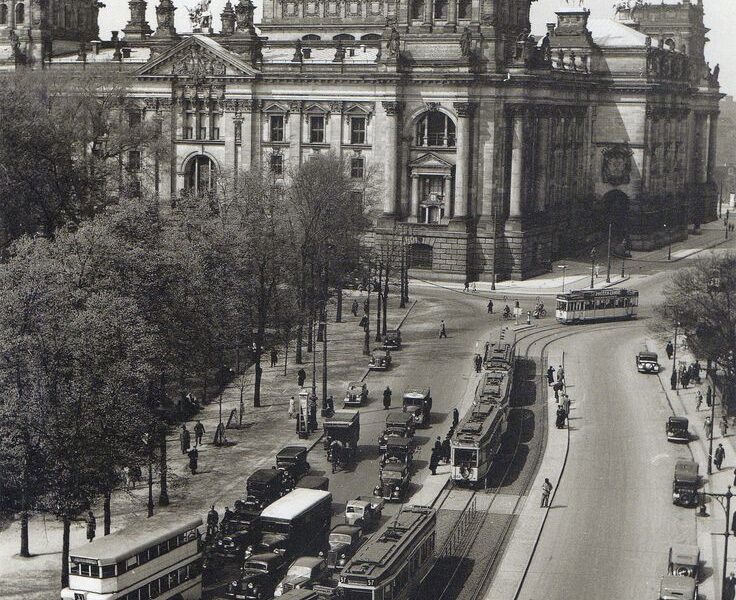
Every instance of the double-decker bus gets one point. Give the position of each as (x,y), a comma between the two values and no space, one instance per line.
(159,557)
(596,305)
(395,560)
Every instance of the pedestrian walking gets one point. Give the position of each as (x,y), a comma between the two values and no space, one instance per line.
(669,348)
(490,306)
(718,456)
(546,491)
(291,407)
(446,449)
(673,380)
(724,426)
(193,455)
(312,413)
(597,270)
(550,375)
(698,400)
(438,445)
(274,357)
(708,397)
(478,363)
(557,387)
(366,305)
(467,285)
(185,439)
(354,308)
(685,378)
(561,416)
(708,425)
(455,417)
(301,376)
(696,371)
(198,433)
(227,516)
(566,406)
(91,525)
(387,398)
(560,374)
(363,322)
(213,520)
(434,461)
(443,330)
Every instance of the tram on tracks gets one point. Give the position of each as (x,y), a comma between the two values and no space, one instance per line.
(477,438)
(596,305)
(395,560)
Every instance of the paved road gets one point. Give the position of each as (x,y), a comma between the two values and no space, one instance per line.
(612,520)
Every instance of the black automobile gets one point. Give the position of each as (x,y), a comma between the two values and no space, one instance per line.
(344,542)
(293,460)
(392,340)
(264,486)
(259,577)
(241,531)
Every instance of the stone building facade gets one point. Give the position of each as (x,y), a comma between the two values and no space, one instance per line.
(498,152)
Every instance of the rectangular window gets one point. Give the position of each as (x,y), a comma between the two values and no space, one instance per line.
(134,161)
(215,133)
(134,118)
(277,164)
(357,130)
(357,167)
(187,133)
(202,133)
(316,130)
(238,132)
(276,129)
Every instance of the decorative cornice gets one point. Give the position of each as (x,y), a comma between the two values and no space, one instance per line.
(392,107)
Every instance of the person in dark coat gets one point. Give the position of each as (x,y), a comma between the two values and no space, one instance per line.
(387,398)
(354,308)
(478,363)
(91,526)
(198,433)
(274,357)
(718,456)
(443,330)
(434,461)
(673,380)
(446,449)
(669,348)
(490,306)
(213,520)
(708,397)
(561,416)
(685,378)
(301,376)
(455,417)
(185,439)
(226,517)
(193,455)
(550,375)
(438,445)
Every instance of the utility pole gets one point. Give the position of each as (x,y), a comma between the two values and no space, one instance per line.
(726,534)
(402,303)
(593,256)
(608,270)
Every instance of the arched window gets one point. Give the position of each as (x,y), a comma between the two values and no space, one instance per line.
(417,9)
(3,14)
(435,129)
(440,10)
(310,37)
(200,174)
(370,37)
(20,13)
(464,9)
(345,37)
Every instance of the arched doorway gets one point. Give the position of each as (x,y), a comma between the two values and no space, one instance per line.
(616,212)
(199,175)
(420,256)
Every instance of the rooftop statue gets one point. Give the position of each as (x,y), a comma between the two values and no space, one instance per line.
(200,16)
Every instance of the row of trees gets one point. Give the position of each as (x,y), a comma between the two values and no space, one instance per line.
(111,309)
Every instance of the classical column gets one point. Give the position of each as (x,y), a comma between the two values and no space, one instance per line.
(462,163)
(414,216)
(517,164)
(390,203)
(335,130)
(542,160)
(11,15)
(447,195)
(705,150)
(250,111)
(428,7)
(712,137)
(295,134)
(451,15)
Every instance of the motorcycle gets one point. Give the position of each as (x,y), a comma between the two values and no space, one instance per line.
(540,312)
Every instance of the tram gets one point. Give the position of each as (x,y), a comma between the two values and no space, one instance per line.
(395,560)
(477,438)
(596,305)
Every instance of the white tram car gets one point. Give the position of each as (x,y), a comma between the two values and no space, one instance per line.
(596,305)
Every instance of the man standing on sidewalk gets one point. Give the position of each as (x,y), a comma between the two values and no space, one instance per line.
(91,526)
(708,428)
(387,398)
(551,375)
(718,456)
(546,491)
(698,400)
(669,348)
(490,306)
(198,433)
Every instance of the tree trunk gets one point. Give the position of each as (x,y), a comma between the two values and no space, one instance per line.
(299,341)
(24,548)
(385,302)
(310,332)
(163,497)
(257,387)
(65,553)
(379,294)
(338,311)
(106,517)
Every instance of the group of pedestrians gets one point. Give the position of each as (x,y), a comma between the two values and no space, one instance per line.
(441,450)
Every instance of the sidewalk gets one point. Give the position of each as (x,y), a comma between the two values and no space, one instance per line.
(509,578)
(682,402)
(220,479)
(711,235)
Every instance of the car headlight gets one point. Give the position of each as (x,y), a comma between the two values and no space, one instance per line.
(234,584)
(341,562)
(250,585)
(396,488)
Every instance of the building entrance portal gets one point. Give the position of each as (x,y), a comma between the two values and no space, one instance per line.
(616,212)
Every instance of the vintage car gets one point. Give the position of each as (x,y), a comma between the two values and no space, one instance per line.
(343,542)
(647,362)
(264,486)
(400,449)
(239,532)
(364,511)
(303,573)
(393,481)
(356,394)
(673,587)
(293,460)
(343,426)
(419,403)
(258,577)
(677,429)
(398,424)
(380,362)
(314,482)
(685,483)
(684,561)
(392,340)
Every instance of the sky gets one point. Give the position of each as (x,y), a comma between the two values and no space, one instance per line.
(720,15)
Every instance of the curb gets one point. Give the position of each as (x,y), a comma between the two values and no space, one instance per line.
(678,259)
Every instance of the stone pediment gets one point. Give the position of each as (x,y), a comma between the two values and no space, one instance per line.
(431,162)
(197,58)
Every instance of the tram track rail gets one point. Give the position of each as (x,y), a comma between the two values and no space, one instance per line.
(547,335)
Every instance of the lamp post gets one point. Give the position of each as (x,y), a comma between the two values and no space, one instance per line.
(593,256)
(402,299)
(564,270)
(725,501)
(608,270)
(669,241)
